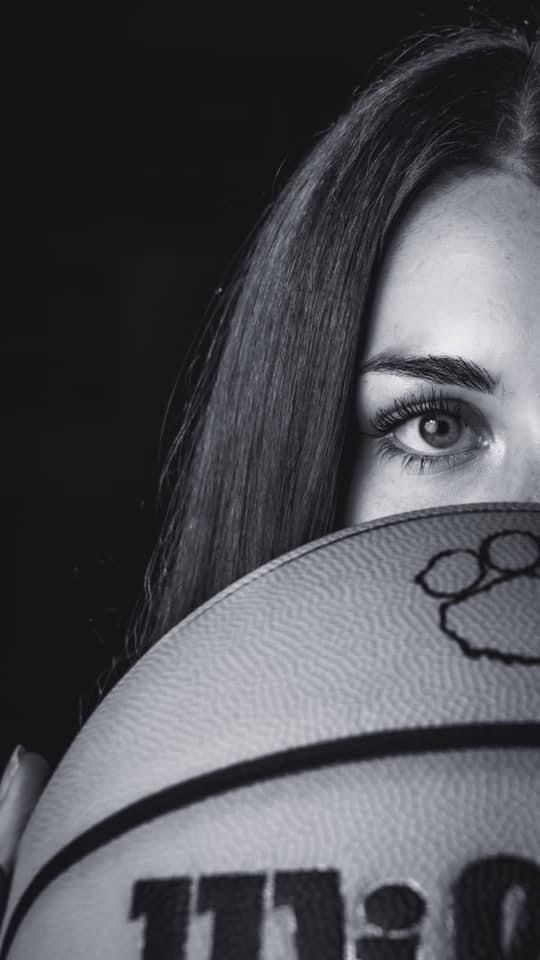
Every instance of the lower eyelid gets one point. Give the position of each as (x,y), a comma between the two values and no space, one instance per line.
(436,464)
(387,449)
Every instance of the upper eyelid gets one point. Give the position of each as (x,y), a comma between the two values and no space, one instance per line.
(404,403)
(476,420)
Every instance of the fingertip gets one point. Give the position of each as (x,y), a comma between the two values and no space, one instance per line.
(19,803)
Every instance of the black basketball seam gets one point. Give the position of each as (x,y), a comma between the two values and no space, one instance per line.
(297,760)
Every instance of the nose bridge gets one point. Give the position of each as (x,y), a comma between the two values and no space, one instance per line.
(521,475)
(529,419)
(523,467)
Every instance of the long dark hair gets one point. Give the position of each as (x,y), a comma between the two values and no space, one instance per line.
(259,464)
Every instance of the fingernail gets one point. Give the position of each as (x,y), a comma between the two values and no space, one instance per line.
(9,774)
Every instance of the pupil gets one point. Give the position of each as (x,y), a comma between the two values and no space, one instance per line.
(434,429)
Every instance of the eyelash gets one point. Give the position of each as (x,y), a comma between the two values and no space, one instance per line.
(405,408)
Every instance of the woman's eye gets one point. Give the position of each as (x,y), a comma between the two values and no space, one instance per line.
(429,435)
(436,431)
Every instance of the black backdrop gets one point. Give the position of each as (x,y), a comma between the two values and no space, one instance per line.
(140,164)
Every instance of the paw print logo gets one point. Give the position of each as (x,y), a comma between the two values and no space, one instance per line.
(490,597)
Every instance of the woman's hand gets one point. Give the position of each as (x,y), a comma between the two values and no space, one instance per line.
(23,781)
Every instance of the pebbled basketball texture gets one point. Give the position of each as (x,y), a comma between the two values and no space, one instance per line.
(335,757)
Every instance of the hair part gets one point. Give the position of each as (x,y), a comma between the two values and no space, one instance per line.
(259,464)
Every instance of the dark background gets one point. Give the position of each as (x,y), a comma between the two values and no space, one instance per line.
(141,159)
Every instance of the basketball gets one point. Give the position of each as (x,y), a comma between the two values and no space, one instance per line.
(335,757)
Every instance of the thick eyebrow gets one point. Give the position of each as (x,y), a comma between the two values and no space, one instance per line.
(440,369)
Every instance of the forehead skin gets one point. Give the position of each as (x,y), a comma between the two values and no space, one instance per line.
(464,263)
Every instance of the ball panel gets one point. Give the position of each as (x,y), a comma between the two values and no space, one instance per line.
(405,826)
(339,638)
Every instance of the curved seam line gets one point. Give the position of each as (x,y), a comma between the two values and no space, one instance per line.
(247,772)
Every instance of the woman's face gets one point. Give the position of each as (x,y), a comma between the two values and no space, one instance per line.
(448,396)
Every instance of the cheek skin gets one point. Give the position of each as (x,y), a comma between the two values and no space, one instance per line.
(377,490)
